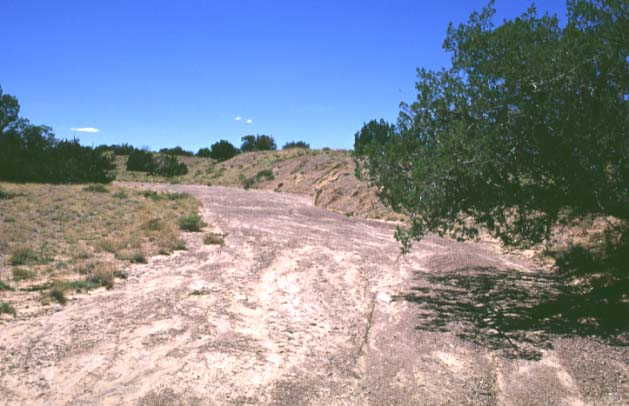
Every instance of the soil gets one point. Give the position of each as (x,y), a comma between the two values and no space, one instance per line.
(303,306)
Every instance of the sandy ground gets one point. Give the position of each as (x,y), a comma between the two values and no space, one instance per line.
(306,307)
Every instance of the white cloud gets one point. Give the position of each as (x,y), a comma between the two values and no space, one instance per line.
(248,121)
(86,130)
(237,118)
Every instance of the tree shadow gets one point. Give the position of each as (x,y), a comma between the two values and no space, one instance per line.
(517,313)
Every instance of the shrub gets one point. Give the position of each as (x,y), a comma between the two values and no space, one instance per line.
(57,294)
(169,166)
(120,195)
(257,143)
(24,256)
(203,153)
(20,274)
(7,308)
(177,151)
(223,150)
(6,195)
(191,222)
(4,286)
(96,189)
(265,174)
(141,161)
(213,239)
(296,144)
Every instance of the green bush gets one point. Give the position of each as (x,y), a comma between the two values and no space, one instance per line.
(7,308)
(141,161)
(96,189)
(223,150)
(191,222)
(4,286)
(169,166)
(296,144)
(24,256)
(257,143)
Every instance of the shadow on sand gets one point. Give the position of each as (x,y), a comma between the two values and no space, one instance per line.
(516,313)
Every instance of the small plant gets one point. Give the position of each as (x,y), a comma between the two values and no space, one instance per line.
(4,286)
(154,224)
(192,222)
(134,256)
(24,256)
(7,308)
(102,277)
(120,195)
(57,294)
(21,274)
(214,239)
(97,188)
(6,195)
(265,174)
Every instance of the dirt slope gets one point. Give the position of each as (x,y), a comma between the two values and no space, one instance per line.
(302,306)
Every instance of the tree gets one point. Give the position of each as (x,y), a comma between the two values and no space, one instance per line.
(30,153)
(296,144)
(375,131)
(203,153)
(177,151)
(257,143)
(526,128)
(141,161)
(168,165)
(223,150)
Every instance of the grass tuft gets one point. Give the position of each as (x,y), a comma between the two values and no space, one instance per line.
(191,222)
(21,274)
(4,286)
(7,308)
(97,188)
(25,256)
(214,239)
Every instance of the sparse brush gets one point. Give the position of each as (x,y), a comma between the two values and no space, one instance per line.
(214,239)
(58,295)
(23,256)
(191,222)
(6,195)
(4,286)
(120,195)
(7,308)
(97,188)
(20,274)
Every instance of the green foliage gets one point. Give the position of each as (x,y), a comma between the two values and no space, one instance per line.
(21,274)
(265,174)
(4,286)
(526,128)
(296,144)
(141,161)
(150,194)
(30,153)
(7,308)
(223,150)
(96,189)
(169,166)
(24,256)
(203,153)
(374,132)
(177,151)
(257,143)
(191,222)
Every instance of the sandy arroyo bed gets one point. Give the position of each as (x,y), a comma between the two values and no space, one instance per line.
(306,307)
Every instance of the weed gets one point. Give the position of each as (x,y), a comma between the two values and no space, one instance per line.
(58,295)
(7,308)
(4,286)
(6,195)
(213,238)
(154,224)
(120,195)
(191,222)
(97,188)
(23,256)
(21,274)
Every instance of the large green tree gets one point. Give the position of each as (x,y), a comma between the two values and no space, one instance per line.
(529,125)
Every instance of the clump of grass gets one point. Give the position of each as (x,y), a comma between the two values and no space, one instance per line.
(24,256)
(97,188)
(58,295)
(265,174)
(154,224)
(214,239)
(7,308)
(150,194)
(21,274)
(120,195)
(191,222)
(4,286)
(6,195)
(135,256)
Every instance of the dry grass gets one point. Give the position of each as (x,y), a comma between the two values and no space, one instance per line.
(60,239)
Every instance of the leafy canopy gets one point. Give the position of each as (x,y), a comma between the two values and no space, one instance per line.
(223,150)
(257,143)
(528,126)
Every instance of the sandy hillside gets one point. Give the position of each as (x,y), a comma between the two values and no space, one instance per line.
(304,306)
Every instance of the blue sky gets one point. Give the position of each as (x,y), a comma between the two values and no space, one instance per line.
(164,73)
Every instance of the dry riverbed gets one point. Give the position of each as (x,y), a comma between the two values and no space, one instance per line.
(304,306)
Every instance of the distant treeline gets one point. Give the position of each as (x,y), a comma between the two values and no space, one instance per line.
(31,153)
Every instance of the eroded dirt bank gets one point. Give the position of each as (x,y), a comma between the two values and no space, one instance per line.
(303,306)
